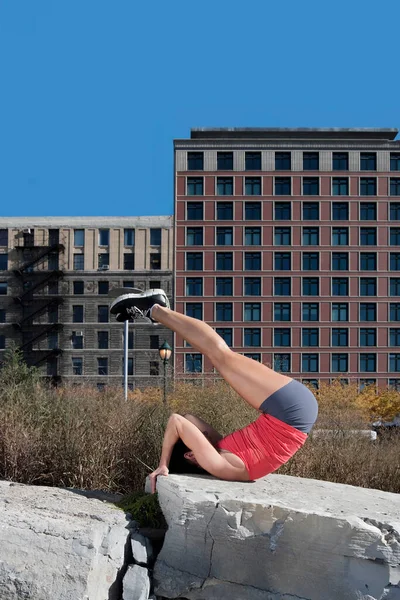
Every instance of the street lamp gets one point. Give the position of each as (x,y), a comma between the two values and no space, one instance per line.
(165,355)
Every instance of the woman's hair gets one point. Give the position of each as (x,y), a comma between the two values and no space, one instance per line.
(178,463)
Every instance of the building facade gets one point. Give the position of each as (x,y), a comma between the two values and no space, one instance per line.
(57,278)
(288,244)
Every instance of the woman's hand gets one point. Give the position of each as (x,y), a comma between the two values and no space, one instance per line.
(164,471)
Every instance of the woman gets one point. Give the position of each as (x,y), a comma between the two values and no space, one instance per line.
(288,409)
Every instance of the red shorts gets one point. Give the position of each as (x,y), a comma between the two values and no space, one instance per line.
(264,445)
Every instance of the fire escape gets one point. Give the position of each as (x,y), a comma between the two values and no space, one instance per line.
(38,274)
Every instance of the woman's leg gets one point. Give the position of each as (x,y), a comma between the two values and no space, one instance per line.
(253,381)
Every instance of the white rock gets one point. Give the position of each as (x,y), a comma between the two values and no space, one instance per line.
(136,583)
(141,548)
(280,538)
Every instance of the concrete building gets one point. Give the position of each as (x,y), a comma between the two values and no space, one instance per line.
(56,274)
(288,244)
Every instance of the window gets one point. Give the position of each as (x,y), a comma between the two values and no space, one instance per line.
(103,287)
(154,342)
(129,237)
(310,311)
(340,311)
(79,237)
(282,261)
(79,262)
(394,384)
(340,363)
(252,236)
(368,211)
(394,362)
(394,286)
(283,161)
(282,311)
(311,383)
(2,342)
(225,186)
(224,211)
(129,365)
(52,340)
(194,261)
(340,186)
(195,161)
(340,261)
(368,362)
(367,311)
(340,161)
(395,312)
(253,355)
(394,337)
(154,368)
(309,363)
(3,262)
(223,311)
(225,161)
(77,340)
(194,211)
(102,314)
(194,286)
(194,186)
(77,365)
(224,236)
(368,286)
(253,161)
(340,286)
(193,363)
(282,363)
(252,336)
(3,237)
(340,211)
(104,237)
(130,340)
(155,261)
(310,261)
(367,186)
(252,311)
(3,288)
(253,186)
(194,236)
(252,286)
(395,261)
(311,211)
(395,186)
(395,236)
(252,211)
(52,313)
(131,284)
(310,336)
(52,261)
(283,186)
(52,288)
(104,260)
(224,286)
(368,261)
(129,261)
(395,211)
(283,211)
(368,161)
(282,337)
(368,236)
(252,261)
(226,334)
(102,366)
(311,236)
(395,161)
(282,286)
(155,237)
(224,261)
(340,236)
(102,340)
(2,315)
(77,313)
(310,186)
(310,286)
(340,336)
(367,336)
(194,309)
(310,161)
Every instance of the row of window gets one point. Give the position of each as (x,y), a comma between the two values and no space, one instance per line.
(339,211)
(128,264)
(283,186)
(103,366)
(283,236)
(283,161)
(283,261)
(104,237)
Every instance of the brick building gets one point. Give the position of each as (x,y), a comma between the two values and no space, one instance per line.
(288,244)
(56,274)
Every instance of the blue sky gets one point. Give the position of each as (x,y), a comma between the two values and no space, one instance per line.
(93,92)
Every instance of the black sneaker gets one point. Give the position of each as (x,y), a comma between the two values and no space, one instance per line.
(129,307)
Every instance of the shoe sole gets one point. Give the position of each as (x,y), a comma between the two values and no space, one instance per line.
(147,294)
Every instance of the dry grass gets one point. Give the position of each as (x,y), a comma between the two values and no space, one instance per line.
(80,437)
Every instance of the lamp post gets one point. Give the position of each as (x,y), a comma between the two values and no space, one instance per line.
(165,355)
